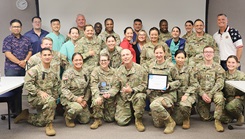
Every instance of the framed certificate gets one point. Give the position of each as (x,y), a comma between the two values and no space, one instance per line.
(157,82)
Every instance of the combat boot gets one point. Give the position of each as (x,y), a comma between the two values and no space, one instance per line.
(96,124)
(50,130)
(69,123)
(186,123)
(170,125)
(139,125)
(240,120)
(22,116)
(218,126)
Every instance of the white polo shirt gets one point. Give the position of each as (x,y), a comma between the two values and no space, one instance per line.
(228,42)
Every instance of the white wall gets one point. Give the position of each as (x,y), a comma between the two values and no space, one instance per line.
(123,12)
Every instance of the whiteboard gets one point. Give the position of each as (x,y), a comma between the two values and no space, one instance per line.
(122,12)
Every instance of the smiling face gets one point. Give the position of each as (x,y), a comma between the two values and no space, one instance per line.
(137,26)
(231,64)
(208,54)
(81,21)
(159,54)
(129,34)
(142,36)
(126,56)
(15,28)
(98,28)
(111,43)
(154,36)
(188,27)
(175,33)
(180,59)
(222,21)
(46,56)
(109,25)
(89,31)
(77,62)
(55,26)
(74,35)
(46,43)
(164,27)
(199,26)
(104,62)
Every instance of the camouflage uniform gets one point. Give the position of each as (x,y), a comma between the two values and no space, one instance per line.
(75,84)
(211,82)
(147,54)
(83,46)
(81,34)
(107,109)
(194,48)
(188,87)
(103,35)
(58,60)
(136,79)
(186,36)
(40,79)
(164,36)
(163,102)
(234,106)
(115,56)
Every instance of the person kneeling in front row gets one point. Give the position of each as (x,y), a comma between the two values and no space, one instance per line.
(41,82)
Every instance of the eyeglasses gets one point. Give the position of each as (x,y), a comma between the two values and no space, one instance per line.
(208,52)
(16,26)
(103,60)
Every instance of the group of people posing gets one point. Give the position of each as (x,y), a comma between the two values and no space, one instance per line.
(98,76)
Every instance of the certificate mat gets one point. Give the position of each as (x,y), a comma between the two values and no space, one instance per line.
(157,82)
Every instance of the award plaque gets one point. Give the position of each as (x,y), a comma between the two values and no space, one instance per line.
(157,82)
(103,87)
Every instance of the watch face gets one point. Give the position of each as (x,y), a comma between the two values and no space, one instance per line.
(21,4)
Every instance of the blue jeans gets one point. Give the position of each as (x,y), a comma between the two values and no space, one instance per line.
(16,105)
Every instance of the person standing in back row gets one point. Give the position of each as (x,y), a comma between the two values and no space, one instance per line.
(164,33)
(36,34)
(196,42)
(17,50)
(58,39)
(81,22)
(109,30)
(228,39)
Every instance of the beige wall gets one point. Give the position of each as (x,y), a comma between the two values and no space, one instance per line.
(8,11)
(235,11)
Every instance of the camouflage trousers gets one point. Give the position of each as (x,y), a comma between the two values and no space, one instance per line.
(75,111)
(232,110)
(45,111)
(161,108)
(182,109)
(106,110)
(203,108)
(124,108)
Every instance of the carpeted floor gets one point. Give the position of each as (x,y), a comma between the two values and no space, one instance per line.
(198,130)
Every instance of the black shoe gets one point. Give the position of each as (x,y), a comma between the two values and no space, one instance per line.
(14,115)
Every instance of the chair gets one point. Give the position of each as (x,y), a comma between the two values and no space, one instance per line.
(7,97)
